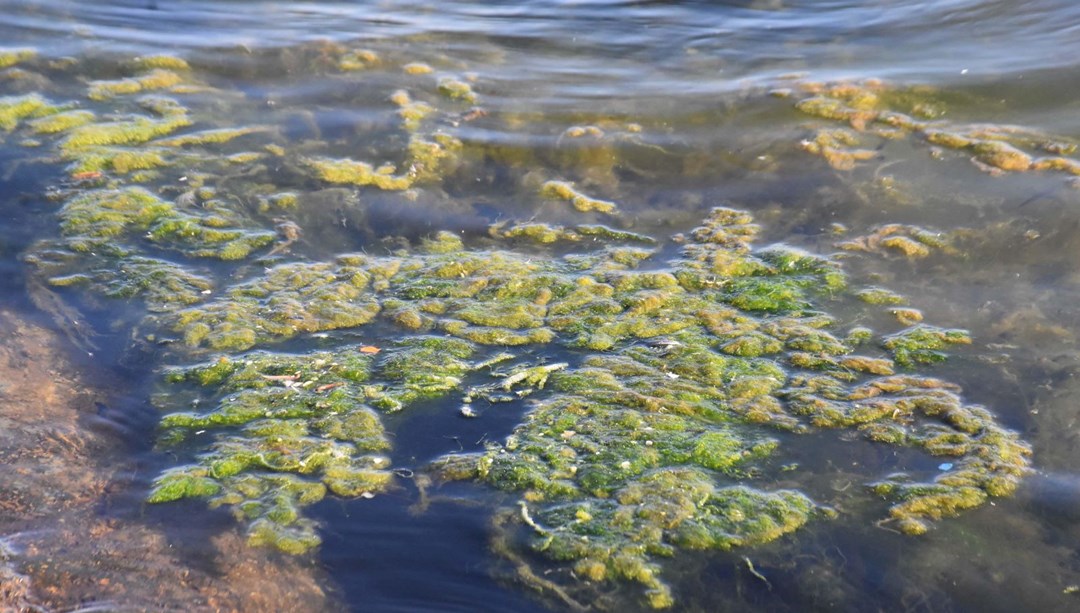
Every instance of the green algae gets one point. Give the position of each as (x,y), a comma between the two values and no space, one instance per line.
(13,109)
(351,172)
(911,241)
(207,137)
(359,59)
(456,89)
(731,343)
(560,190)
(886,111)
(304,432)
(93,220)
(161,285)
(419,368)
(118,160)
(291,299)
(155,79)
(427,160)
(608,540)
(877,295)
(9,57)
(923,344)
(125,132)
(166,62)
(162,106)
(649,439)
(61,122)
(547,233)
(412,112)
(417,68)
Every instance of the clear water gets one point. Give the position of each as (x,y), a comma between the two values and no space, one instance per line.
(696,76)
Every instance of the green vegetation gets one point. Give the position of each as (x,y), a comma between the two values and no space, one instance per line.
(561,190)
(456,89)
(10,57)
(95,218)
(14,109)
(873,107)
(294,427)
(155,79)
(661,379)
(61,122)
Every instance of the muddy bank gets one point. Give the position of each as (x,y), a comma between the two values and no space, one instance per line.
(67,542)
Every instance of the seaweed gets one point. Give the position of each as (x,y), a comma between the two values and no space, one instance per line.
(303,431)
(889,111)
(660,379)
(564,191)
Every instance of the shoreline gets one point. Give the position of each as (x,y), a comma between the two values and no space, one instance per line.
(67,539)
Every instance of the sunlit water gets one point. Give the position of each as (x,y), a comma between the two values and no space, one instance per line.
(696,77)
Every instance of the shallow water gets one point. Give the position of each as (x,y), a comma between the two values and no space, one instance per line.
(695,105)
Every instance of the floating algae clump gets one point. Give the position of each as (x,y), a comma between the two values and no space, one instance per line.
(910,241)
(207,137)
(456,89)
(289,300)
(546,233)
(417,68)
(14,109)
(561,190)
(294,428)
(162,285)
(357,173)
(10,57)
(896,112)
(61,122)
(168,62)
(91,221)
(126,132)
(360,59)
(158,78)
(686,406)
(427,160)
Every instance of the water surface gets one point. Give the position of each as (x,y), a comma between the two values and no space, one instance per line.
(693,106)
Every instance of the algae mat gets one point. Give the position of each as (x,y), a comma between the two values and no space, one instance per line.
(660,376)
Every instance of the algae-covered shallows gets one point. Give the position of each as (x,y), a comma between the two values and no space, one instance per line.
(643,444)
(876,109)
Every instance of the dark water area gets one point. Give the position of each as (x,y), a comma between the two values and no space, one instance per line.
(927,148)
